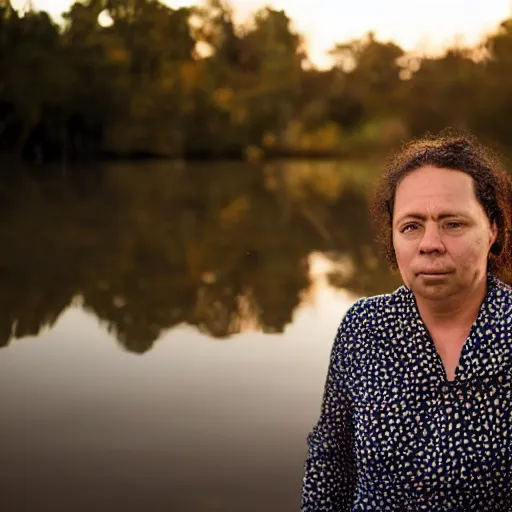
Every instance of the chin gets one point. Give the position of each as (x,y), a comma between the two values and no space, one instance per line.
(433,292)
(432,288)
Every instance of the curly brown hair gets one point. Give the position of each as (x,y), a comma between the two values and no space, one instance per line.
(461,152)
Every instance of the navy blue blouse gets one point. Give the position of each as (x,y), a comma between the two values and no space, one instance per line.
(394,434)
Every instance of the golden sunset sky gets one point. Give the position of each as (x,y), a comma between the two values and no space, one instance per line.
(422,25)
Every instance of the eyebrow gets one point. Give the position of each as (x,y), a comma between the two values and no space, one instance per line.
(419,216)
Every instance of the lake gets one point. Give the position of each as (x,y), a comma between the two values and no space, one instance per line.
(166,330)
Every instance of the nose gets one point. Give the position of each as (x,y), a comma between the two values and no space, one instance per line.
(431,240)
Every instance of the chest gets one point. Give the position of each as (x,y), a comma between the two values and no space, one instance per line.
(449,348)
(429,436)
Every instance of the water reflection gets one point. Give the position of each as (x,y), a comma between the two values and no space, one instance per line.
(193,426)
(145,248)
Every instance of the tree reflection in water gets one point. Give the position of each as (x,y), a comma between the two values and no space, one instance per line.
(146,247)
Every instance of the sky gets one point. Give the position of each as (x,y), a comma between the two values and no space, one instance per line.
(426,26)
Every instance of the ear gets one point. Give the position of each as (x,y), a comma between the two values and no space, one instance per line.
(493,234)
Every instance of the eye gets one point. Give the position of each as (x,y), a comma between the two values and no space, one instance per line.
(454,225)
(409,227)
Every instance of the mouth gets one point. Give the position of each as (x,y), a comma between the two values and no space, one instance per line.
(433,273)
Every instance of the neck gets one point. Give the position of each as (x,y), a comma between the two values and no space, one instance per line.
(456,311)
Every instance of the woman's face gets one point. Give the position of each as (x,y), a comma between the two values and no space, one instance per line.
(441,234)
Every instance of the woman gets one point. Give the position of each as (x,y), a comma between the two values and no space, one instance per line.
(417,409)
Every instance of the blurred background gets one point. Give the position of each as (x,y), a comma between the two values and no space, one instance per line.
(183,224)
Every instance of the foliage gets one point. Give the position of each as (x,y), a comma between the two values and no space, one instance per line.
(193,82)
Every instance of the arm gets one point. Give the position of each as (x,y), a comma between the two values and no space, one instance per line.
(330,469)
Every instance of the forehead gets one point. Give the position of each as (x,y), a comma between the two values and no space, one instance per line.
(431,187)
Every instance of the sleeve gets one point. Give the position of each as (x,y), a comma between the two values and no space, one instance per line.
(330,469)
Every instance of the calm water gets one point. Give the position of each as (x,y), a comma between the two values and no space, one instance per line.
(166,331)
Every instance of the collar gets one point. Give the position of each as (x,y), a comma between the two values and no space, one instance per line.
(488,347)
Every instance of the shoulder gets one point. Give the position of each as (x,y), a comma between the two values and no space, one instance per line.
(375,310)
(503,289)
(502,298)
(368,318)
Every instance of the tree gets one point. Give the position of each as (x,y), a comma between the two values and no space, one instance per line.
(367,84)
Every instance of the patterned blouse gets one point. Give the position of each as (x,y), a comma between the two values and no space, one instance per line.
(394,434)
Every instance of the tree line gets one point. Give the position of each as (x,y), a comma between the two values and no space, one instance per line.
(191,82)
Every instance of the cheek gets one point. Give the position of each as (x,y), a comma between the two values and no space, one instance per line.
(404,253)
(468,252)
